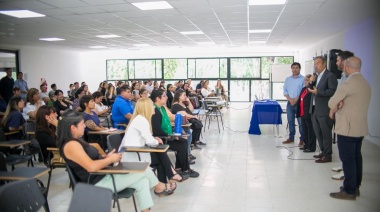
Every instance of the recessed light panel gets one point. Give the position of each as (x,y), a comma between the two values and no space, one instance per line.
(153,5)
(21,13)
(266,2)
(260,31)
(108,36)
(192,33)
(51,39)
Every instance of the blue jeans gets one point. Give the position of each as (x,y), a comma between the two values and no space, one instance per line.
(187,130)
(351,157)
(291,112)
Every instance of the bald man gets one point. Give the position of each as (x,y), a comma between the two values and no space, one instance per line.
(351,126)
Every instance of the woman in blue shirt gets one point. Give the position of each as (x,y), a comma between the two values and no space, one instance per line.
(13,119)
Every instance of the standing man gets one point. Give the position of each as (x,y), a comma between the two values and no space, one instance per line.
(292,89)
(22,84)
(322,87)
(342,56)
(122,108)
(351,126)
(6,85)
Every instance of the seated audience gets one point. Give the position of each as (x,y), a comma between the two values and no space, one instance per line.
(100,109)
(181,104)
(206,91)
(44,95)
(16,91)
(91,120)
(53,89)
(139,133)
(13,119)
(78,95)
(61,104)
(46,124)
(170,94)
(83,159)
(198,88)
(161,126)
(110,94)
(220,91)
(85,89)
(33,102)
(122,109)
(143,93)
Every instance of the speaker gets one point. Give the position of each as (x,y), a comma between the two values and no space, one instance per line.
(333,54)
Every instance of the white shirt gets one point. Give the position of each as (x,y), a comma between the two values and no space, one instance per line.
(320,77)
(205,92)
(29,108)
(137,134)
(99,108)
(44,94)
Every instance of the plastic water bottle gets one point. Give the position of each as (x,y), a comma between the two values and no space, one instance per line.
(177,124)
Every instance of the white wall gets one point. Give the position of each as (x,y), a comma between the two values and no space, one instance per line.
(56,66)
(339,41)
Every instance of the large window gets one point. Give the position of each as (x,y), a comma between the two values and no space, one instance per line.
(245,67)
(245,79)
(117,69)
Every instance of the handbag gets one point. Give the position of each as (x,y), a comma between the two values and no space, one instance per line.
(195,123)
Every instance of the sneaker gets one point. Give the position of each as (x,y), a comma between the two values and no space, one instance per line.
(191,162)
(339,176)
(192,173)
(337,169)
(192,157)
(196,147)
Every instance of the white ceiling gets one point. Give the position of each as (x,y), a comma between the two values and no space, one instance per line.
(224,22)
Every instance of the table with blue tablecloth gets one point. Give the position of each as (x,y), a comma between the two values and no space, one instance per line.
(264,112)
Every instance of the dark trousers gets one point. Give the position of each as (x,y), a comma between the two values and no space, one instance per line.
(322,126)
(196,135)
(351,157)
(182,156)
(308,134)
(163,164)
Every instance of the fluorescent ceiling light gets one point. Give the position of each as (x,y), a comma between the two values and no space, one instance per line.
(141,45)
(153,5)
(108,36)
(51,39)
(266,2)
(192,33)
(257,42)
(21,13)
(260,31)
(97,47)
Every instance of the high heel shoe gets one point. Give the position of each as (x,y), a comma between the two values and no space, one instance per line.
(183,177)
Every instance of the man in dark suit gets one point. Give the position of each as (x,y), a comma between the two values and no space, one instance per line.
(322,87)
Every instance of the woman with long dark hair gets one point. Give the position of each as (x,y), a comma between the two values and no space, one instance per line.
(46,125)
(83,158)
(61,104)
(13,119)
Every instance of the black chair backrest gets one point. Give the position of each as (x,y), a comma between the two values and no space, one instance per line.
(29,126)
(89,198)
(2,135)
(3,163)
(22,195)
(113,142)
(73,179)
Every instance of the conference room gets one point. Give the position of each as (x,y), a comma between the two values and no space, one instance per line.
(249,45)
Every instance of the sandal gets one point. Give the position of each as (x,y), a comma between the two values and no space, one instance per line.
(165,192)
(183,178)
(171,186)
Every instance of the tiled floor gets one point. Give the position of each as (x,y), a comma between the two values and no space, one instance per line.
(242,172)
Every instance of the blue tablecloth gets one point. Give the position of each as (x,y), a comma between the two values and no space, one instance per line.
(268,112)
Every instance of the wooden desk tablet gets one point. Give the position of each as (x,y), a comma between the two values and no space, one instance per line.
(144,149)
(14,143)
(23,173)
(106,132)
(124,168)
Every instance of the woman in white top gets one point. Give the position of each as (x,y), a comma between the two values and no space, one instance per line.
(206,91)
(139,133)
(33,102)
(100,109)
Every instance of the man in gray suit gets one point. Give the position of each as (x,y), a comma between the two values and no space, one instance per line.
(322,87)
(351,126)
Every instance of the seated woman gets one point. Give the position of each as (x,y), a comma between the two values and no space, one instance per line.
(181,104)
(61,104)
(170,94)
(77,95)
(46,124)
(143,93)
(100,109)
(33,102)
(220,91)
(83,158)
(13,119)
(139,133)
(85,89)
(110,94)
(206,91)
(91,120)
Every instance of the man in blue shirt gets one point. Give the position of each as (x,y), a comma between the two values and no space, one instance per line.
(122,108)
(292,88)
(22,84)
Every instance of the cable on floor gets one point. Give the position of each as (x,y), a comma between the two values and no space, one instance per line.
(291,152)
